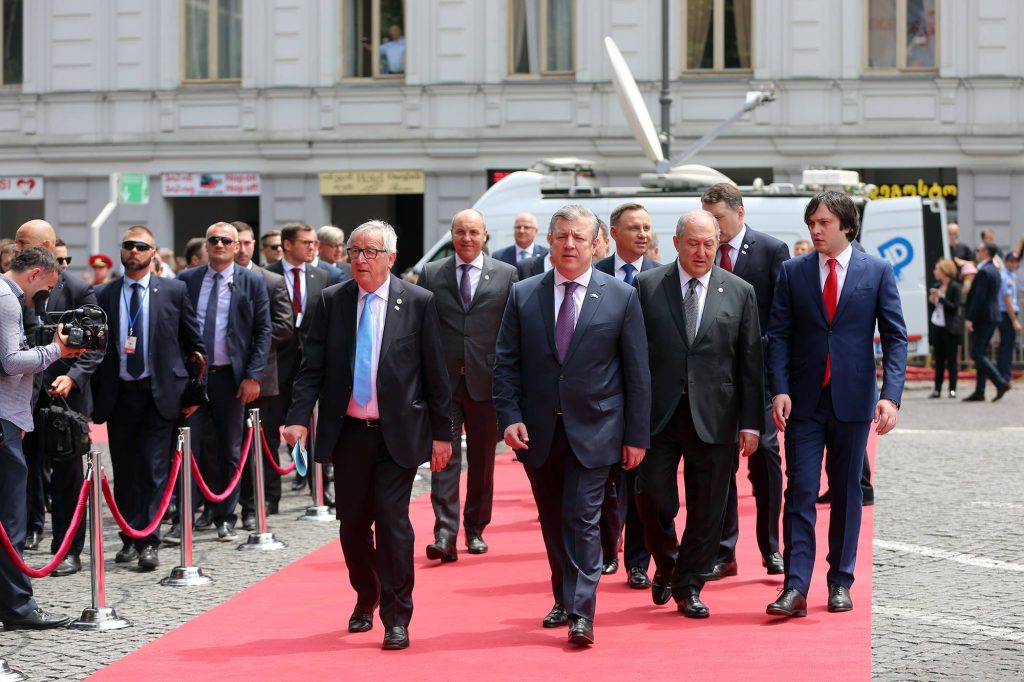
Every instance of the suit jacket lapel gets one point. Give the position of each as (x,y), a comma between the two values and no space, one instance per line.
(545,293)
(742,259)
(712,303)
(853,274)
(591,301)
(484,285)
(450,274)
(674,296)
(347,307)
(156,298)
(812,280)
(235,294)
(393,315)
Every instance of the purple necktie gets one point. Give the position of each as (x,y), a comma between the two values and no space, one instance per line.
(465,287)
(566,323)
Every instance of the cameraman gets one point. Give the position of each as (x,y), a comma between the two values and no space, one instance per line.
(32,270)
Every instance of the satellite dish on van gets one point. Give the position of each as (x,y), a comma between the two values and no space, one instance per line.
(633,106)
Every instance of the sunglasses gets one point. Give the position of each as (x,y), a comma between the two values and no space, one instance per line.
(141,247)
(64,261)
(226,241)
(272,247)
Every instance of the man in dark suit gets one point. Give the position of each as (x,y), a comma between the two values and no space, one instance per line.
(531,267)
(304,283)
(981,316)
(755,258)
(138,386)
(233,311)
(821,367)
(281,329)
(470,291)
(708,406)
(374,359)
(572,393)
(525,234)
(632,232)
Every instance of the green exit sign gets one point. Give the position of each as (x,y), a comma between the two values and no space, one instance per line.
(133,188)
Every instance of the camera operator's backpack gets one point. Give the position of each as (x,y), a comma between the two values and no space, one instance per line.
(63,433)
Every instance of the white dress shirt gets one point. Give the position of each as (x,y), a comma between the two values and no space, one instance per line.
(143,332)
(620,264)
(378,311)
(289,280)
(734,253)
(475,270)
(842,265)
(580,295)
(704,281)
(547,262)
(220,355)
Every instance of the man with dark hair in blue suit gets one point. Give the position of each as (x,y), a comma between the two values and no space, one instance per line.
(821,367)
(572,390)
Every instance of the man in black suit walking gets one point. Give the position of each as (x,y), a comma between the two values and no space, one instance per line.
(707,405)
(981,316)
(470,291)
(756,258)
(632,232)
(572,392)
(374,359)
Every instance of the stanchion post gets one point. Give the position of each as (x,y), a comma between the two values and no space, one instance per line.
(185,574)
(8,674)
(318,512)
(99,616)
(260,539)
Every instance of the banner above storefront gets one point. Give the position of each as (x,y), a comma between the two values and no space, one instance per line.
(210,184)
(371,182)
(21,187)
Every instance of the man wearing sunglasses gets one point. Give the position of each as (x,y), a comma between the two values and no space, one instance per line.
(138,386)
(233,311)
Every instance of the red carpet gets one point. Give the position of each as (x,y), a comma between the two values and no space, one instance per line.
(479,618)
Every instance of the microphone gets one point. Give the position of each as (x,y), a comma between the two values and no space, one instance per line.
(231,286)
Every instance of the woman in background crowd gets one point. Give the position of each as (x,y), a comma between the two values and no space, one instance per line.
(947,327)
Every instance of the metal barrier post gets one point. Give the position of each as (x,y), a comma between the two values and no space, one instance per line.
(319,511)
(260,539)
(185,574)
(7,674)
(99,616)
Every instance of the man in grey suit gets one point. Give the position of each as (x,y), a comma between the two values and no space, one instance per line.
(572,391)
(470,291)
(707,405)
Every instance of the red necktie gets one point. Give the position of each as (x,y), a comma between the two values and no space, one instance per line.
(296,291)
(831,294)
(725,262)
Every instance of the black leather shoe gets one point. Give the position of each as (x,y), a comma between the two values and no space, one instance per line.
(205,520)
(722,569)
(774,563)
(661,591)
(638,579)
(249,521)
(171,513)
(610,567)
(396,637)
(581,632)
(790,603)
(839,599)
(329,499)
(556,618)
(226,532)
(149,558)
(37,620)
(69,566)
(476,545)
(1001,391)
(360,620)
(272,507)
(173,536)
(974,398)
(691,606)
(32,540)
(444,550)
(824,498)
(869,496)
(127,554)
(935,394)
(298,483)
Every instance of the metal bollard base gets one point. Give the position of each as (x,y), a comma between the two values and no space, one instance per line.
(7,674)
(99,620)
(317,514)
(264,542)
(186,576)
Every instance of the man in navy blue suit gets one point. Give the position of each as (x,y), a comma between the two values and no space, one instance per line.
(631,229)
(233,311)
(525,232)
(138,385)
(981,315)
(572,390)
(821,366)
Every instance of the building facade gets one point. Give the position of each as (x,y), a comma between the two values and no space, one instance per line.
(336,111)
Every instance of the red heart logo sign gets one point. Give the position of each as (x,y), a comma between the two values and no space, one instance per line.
(26,185)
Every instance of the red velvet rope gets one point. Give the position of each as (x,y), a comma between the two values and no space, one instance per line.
(164,502)
(281,471)
(201,484)
(69,536)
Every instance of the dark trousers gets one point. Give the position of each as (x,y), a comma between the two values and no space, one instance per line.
(373,490)
(944,347)
(481,436)
(806,441)
(224,414)
(979,353)
(1007,340)
(707,469)
(35,485)
(141,443)
(619,512)
(66,478)
(568,497)
(15,588)
(271,422)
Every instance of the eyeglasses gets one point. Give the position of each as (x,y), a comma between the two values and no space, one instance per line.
(64,261)
(226,241)
(141,247)
(369,253)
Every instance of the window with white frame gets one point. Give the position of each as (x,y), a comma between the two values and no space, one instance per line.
(373,38)
(212,41)
(900,35)
(541,37)
(10,41)
(717,35)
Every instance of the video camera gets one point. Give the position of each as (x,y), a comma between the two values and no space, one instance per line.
(86,327)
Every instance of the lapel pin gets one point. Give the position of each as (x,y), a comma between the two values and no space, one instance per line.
(398,301)
(487,276)
(593,296)
(396,307)
(721,290)
(746,246)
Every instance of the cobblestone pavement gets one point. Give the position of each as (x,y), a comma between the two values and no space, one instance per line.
(949,540)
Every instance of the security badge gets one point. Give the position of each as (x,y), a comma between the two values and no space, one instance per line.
(129,343)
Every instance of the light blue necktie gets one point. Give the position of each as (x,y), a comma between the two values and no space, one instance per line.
(362,389)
